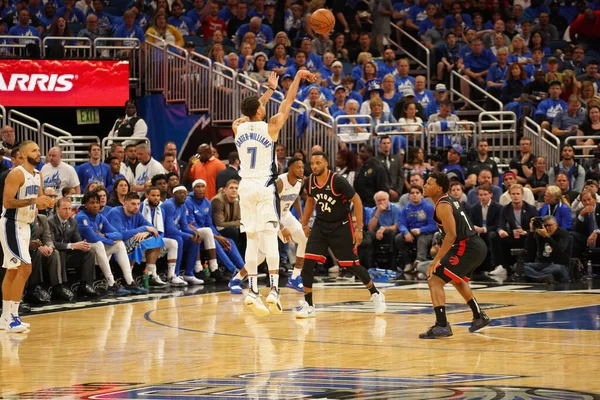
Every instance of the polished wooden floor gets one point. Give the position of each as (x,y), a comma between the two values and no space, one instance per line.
(211,346)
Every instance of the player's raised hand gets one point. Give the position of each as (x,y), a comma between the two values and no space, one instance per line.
(305,74)
(273,80)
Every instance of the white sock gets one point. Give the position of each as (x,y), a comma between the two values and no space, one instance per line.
(238,276)
(198,266)
(15,308)
(296,273)
(110,280)
(213,265)
(274,280)
(151,269)
(171,270)
(253,283)
(6,308)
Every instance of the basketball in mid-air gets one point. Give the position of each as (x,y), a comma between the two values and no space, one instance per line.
(322,21)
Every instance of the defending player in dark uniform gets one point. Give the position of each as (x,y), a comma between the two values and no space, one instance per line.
(462,251)
(331,194)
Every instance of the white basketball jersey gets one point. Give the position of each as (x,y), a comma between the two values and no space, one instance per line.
(289,194)
(256,150)
(29,190)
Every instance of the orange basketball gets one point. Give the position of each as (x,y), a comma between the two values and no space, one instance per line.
(322,21)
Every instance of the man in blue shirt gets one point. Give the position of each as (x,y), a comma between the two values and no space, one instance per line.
(141,237)
(129,30)
(567,122)
(105,241)
(263,33)
(218,247)
(70,13)
(477,65)
(23,28)
(105,21)
(549,108)
(94,170)
(497,74)
(183,24)
(416,226)
(188,240)
(388,65)
(313,61)
(383,224)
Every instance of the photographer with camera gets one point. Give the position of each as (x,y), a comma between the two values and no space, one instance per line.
(547,250)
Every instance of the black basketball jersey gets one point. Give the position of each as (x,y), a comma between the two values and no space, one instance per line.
(332,199)
(464,226)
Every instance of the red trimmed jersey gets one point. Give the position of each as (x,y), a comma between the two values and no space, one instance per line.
(332,199)
(464,226)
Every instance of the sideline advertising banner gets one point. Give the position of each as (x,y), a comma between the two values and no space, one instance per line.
(63,83)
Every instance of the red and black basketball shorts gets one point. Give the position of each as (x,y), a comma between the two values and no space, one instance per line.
(462,259)
(339,236)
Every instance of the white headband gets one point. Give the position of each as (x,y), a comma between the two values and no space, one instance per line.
(178,188)
(197,181)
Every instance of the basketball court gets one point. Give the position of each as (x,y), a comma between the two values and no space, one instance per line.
(185,345)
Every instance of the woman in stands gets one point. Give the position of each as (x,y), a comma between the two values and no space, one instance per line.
(120,189)
(338,49)
(246,61)
(537,41)
(390,94)
(570,85)
(280,38)
(553,205)
(409,116)
(591,127)
(280,60)
(588,93)
(260,73)
(538,181)
(416,162)
(60,28)
(369,73)
(519,53)
(514,86)
(163,6)
(249,38)
(160,27)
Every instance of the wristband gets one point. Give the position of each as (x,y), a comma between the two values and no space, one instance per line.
(270,88)
(359,229)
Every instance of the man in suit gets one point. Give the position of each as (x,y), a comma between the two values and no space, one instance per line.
(72,250)
(586,231)
(43,255)
(512,229)
(179,165)
(229,173)
(485,216)
(393,165)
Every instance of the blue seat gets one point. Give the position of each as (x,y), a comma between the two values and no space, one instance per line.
(347,68)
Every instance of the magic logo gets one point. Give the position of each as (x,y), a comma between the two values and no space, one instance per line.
(317,383)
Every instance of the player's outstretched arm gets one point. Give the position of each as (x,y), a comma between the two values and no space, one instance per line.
(277,121)
(444,213)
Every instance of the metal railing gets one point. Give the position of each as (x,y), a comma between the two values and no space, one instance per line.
(198,80)
(347,131)
(320,131)
(123,49)
(427,63)
(73,48)
(542,143)
(2,116)
(107,141)
(414,134)
(154,63)
(585,148)
(499,129)
(26,127)
(467,100)
(226,94)
(49,137)
(75,148)
(176,87)
(16,46)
